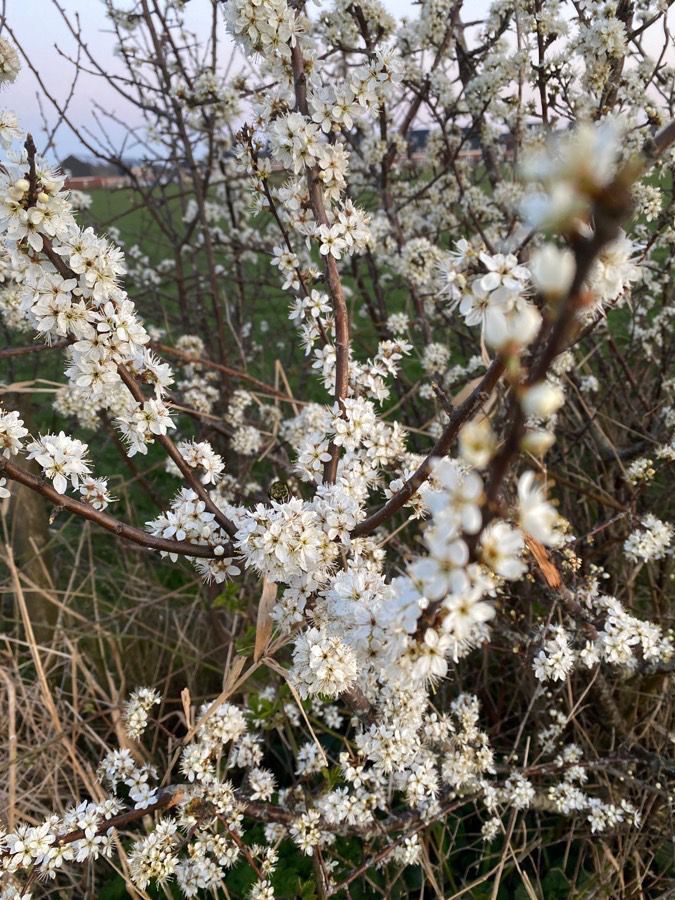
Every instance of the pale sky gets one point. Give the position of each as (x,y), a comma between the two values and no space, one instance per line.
(40,30)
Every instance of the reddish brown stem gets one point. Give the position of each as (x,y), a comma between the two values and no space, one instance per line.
(85,511)
(8,352)
(227,370)
(169,797)
(332,273)
(440,448)
(174,453)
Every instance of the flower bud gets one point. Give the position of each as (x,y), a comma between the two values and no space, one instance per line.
(477,443)
(553,271)
(542,400)
(22,184)
(537,441)
(516,327)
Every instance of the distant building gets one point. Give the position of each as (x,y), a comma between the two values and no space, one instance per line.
(76,167)
(418,141)
(82,174)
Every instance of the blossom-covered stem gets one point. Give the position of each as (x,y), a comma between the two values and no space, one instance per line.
(341,338)
(586,252)
(66,272)
(163,439)
(85,511)
(440,448)
(610,209)
(168,798)
(372,861)
(284,231)
(244,850)
(289,246)
(174,794)
(332,273)
(624,14)
(178,459)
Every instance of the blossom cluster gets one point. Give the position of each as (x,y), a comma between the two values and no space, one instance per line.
(419,516)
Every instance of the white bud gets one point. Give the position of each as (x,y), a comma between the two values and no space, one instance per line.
(553,271)
(477,443)
(555,210)
(537,441)
(542,400)
(22,184)
(219,550)
(516,327)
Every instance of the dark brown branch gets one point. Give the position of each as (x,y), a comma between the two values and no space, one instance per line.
(85,511)
(169,797)
(611,208)
(7,352)
(33,187)
(609,211)
(461,415)
(166,799)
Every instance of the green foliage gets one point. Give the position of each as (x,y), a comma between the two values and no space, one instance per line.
(229,598)
(294,876)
